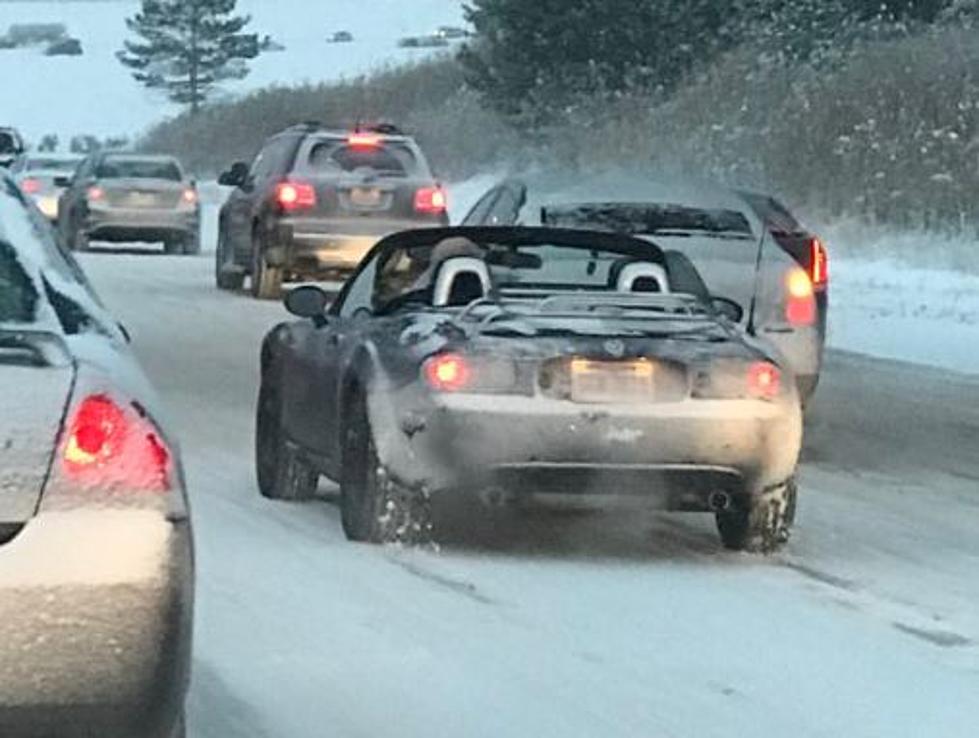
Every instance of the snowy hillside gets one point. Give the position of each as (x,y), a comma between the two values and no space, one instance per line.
(94,94)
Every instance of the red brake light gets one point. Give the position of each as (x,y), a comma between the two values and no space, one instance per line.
(431,200)
(31,185)
(363,141)
(447,372)
(189,196)
(819,263)
(294,195)
(108,446)
(800,305)
(764,380)
(95,193)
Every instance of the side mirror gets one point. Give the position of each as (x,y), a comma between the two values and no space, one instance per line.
(728,308)
(234,177)
(63,181)
(308,301)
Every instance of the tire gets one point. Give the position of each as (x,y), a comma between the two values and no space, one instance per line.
(225,276)
(266,280)
(762,524)
(373,507)
(282,472)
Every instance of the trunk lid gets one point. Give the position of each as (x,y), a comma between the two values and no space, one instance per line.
(138,193)
(35,386)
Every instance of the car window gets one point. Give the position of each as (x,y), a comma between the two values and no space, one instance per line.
(477,216)
(119,168)
(357,296)
(273,159)
(51,164)
(18,295)
(336,156)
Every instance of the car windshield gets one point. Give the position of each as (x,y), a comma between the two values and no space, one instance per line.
(120,168)
(336,156)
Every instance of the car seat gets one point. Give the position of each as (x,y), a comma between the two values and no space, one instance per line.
(460,281)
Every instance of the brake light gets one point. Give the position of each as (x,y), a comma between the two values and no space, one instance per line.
(95,193)
(764,380)
(294,195)
(431,200)
(189,196)
(111,447)
(800,305)
(447,372)
(31,186)
(363,141)
(819,264)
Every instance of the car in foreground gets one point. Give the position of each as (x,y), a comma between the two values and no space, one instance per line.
(510,363)
(747,246)
(123,198)
(314,202)
(96,553)
(11,147)
(38,176)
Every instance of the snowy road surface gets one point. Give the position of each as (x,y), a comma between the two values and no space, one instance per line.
(608,625)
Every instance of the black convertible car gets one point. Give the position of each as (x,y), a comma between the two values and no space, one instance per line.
(516,362)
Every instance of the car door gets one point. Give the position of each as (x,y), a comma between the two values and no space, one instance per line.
(317,360)
(238,211)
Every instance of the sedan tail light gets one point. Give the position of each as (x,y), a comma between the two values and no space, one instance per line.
(800,299)
(818,264)
(431,201)
(189,196)
(112,447)
(293,195)
(95,193)
(31,185)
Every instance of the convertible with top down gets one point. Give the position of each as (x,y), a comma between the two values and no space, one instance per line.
(520,362)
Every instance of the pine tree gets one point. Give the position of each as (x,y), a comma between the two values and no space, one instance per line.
(187,47)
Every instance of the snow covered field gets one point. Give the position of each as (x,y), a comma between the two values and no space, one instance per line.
(95,94)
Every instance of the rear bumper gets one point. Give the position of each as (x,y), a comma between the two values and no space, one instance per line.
(118,224)
(95,625)
(676,452)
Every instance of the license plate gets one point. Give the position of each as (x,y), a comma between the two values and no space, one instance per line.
(142,200)
(611,381)
(365,197)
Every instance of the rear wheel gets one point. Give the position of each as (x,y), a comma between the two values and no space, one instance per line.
(761,524)
(266,279)
(282,472)
(225,275)
(373,507)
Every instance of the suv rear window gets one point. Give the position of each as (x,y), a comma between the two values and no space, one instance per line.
(392,159)
(116,168)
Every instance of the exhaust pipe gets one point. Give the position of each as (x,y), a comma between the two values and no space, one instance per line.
(719,501)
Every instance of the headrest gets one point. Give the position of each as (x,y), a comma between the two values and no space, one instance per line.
(460,280)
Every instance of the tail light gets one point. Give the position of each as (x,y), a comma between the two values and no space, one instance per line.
(95,193)
(431,201)
(447,372)
(189,196)
(293,195)
(112,447)
(764,380)
(818,264)
(800,303)
(31,185)
(363,141)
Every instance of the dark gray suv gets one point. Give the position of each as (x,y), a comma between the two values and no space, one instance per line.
(314,201)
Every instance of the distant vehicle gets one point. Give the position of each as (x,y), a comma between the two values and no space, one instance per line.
(520,362)
(127,197)
(96,553)
(38,176)
(28,34)
(737,244)
(314,201)
(452,32)
(432,41)
(11,147)
(65,47)
(341,37)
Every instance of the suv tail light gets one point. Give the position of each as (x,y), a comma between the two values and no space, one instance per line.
(112,447)
(95,193)
(31,185)
(293,195)
(800,301)
(431,200)
(818,264)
